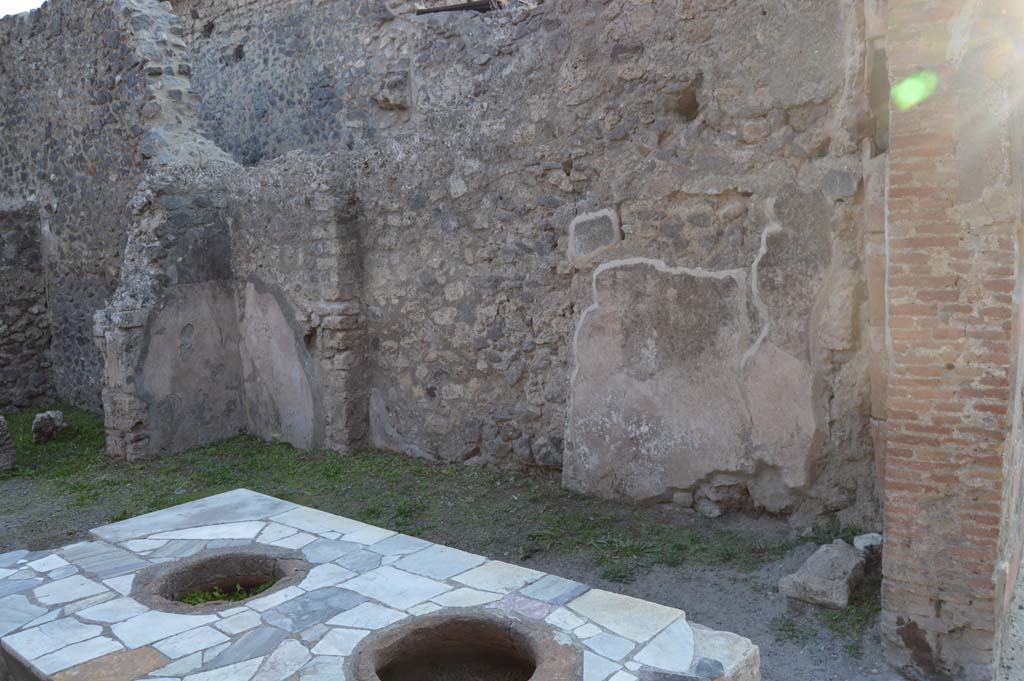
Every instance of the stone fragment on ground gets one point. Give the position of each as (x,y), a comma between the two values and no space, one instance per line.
(7,451)
(868,542)
(47,425)
(828,577)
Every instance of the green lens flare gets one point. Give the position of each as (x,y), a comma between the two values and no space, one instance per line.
(914,89)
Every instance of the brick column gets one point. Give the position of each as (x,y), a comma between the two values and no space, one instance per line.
(951,236)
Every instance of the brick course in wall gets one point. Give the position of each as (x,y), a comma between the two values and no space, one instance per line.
(951,276)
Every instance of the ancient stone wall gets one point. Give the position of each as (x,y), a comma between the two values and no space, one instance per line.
(507,165)
(283,75)
(70,127)
(691,259)
(298,272)
(24,324)
(239,313)
(170,368)
(188,367)
(456,217)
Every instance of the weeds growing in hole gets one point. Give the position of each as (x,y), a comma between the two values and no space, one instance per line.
(239,593)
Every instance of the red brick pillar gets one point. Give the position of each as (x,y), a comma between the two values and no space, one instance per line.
(952,267)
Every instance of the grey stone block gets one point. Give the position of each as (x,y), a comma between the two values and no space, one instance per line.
(827,577)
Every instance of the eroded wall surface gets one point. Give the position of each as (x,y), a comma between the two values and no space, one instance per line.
(298,271)
(500,160)
(638,369)
(192,368)
(170,337)
(238,312)
(24,323)
(70,128)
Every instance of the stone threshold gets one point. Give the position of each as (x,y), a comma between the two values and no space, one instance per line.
(72,614)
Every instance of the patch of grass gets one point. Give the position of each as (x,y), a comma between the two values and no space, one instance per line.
(854,649)
(74,453)
(624,547)
(788,629)
(410,516)
(618,572)
(239,593)
(501,515)
(855,618)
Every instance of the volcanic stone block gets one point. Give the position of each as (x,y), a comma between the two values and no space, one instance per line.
(394,92)
(591,232)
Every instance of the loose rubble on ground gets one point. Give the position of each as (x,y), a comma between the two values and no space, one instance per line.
(832,574)
(47,425)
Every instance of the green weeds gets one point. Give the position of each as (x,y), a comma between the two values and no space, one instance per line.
(788,629)
(855,618)
(625,546)
(239,593)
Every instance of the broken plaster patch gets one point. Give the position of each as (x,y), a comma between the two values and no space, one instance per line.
(639,402)
(738,275)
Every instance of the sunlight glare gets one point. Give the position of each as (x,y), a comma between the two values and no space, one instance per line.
(914,89)
(17,6)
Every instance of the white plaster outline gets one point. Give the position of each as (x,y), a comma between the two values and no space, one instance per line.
(773,227)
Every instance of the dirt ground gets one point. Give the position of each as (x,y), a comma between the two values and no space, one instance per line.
(748,604)
(722,572)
